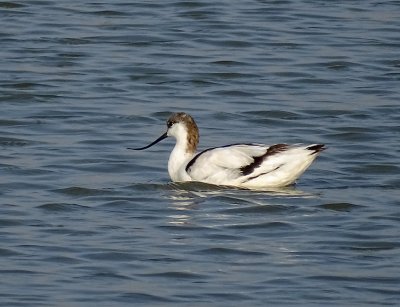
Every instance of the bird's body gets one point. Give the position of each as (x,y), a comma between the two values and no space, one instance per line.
(240,165)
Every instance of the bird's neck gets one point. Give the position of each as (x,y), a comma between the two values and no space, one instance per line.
(178,160)
(183,152)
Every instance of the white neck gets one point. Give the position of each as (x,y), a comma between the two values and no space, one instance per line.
(178,160)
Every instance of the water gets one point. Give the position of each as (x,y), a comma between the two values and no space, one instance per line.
(85,222)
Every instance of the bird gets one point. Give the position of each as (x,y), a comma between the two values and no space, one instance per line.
(242,165)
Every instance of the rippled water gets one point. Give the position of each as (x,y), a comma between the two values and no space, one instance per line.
(85,222)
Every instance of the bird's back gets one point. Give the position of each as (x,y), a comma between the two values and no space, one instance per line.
(252,165)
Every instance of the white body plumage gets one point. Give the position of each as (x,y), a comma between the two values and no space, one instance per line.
(240,165)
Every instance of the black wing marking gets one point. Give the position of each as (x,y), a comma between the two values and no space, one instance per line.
(191,162)
(316,148)
(274,149)
(262,174)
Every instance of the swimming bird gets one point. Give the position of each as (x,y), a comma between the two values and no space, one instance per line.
(241,165)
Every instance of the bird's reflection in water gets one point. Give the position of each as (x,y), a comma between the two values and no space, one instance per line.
(183,200)
(186,198)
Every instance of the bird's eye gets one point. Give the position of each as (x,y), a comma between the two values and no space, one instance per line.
(169,124)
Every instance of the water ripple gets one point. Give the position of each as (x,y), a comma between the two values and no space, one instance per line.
(87,222)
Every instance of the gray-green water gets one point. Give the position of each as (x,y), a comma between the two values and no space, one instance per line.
(85,222)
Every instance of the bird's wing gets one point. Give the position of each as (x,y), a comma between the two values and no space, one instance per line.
(228,162)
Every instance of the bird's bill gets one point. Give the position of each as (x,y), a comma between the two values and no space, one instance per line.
(155,142)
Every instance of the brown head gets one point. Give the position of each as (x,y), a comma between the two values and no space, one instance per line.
(180,124)
(183,127)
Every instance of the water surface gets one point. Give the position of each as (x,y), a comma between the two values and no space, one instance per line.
(85,222)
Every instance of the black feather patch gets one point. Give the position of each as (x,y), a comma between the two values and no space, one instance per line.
(257,161)
(191,162)
(316,148)
(262,174)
